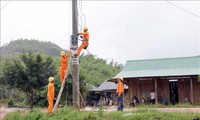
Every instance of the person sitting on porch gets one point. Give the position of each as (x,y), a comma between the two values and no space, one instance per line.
(186,100)
(153,97)
(144,97)
(165,100)
(134,101)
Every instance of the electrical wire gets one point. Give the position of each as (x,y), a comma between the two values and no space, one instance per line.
(80,16)
(182,9)
(5,5)
(82,13)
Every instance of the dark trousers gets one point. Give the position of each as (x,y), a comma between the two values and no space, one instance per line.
(120,102)
(153,101)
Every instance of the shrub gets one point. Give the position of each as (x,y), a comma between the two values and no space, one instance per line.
(10,102)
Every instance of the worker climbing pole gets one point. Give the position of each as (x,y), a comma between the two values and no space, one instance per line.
(64,66)
(63,74)
(85,40)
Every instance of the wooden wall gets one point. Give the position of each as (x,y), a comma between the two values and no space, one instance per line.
(183,89)
(196,91)
(163,88)
(136,87)
(145,85)
(133,88)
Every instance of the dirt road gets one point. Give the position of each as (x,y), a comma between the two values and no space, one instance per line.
(4,111)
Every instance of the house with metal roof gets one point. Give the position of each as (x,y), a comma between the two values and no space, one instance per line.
(166,76)
(109,86)
(106,91)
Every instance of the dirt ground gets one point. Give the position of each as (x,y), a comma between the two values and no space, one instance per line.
(5,110)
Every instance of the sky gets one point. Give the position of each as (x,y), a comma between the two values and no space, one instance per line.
(119,31)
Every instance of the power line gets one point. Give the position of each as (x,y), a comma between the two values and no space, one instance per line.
(183,9)
(77,14)
(5,5)
(82,13)
(80,16)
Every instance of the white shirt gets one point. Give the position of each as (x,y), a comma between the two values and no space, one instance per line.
(153,95)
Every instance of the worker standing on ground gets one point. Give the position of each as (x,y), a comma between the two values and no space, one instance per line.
(63,64)
(85,40)
(50,94)
(120,94)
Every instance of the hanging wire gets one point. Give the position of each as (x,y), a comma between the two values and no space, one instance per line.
(5,5)
(182,9)
(81,5)
(77,21)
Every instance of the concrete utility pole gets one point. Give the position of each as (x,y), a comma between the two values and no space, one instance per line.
(75,63)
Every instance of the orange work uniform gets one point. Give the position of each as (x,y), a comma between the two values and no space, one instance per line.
(50,96)
(84,43)
(63,66)
(120,88)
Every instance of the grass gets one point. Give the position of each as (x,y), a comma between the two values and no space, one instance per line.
(168,106)
(72,114)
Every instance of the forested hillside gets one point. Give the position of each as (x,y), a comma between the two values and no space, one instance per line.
(95,70)
(17,46)
(92,70)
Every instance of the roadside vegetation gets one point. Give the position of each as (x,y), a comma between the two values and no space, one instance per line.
(71,114)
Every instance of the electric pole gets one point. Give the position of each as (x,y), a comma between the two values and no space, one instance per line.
(75,61)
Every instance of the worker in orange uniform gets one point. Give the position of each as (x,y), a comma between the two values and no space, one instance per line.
(50,94)
(120,93)
(63,64)
(85,40)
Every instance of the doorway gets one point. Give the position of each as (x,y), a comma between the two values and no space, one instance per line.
(173,90)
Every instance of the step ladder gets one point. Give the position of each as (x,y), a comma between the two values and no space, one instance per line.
(60,92)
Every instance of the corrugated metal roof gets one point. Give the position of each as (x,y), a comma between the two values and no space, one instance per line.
(105,86)
(161,67)
(109,86)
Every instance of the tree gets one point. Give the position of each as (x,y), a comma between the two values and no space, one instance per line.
(29,74)
(96,70)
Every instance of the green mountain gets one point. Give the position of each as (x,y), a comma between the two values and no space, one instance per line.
(17,46)
(95,70)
